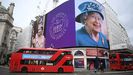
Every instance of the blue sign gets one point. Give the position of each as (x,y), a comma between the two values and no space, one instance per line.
(33,56)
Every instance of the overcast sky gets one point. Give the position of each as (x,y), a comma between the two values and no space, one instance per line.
(26,10)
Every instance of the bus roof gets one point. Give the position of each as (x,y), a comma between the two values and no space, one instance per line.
(43,49)
(121,53)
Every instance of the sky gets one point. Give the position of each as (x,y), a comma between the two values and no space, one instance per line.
(26,10)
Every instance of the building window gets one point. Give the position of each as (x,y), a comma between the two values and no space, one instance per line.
(79,62)
(78,53)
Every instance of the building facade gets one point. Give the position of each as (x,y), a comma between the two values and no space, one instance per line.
(24,38)
(84,57)
(6,24)
(117,34)
(13,38)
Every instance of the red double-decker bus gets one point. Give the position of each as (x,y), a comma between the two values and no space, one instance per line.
(121,61)
(41,60)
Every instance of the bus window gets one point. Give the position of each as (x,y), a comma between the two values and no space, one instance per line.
(20,51)
(68,63)
(122,56)
(113,62)
(66,52)
(112,56)
(47,52)
(24,51)
(35,52)
(41,62)
(43,52)
(24,62)
(49,63)
(52,52)
(27,52)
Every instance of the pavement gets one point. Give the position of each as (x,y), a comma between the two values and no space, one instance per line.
(83,70)
(91,71)
(5,66)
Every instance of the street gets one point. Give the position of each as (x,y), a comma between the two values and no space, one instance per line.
(5,71)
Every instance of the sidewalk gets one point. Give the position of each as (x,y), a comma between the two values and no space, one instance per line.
(4,66)
(84,70)
(118,71)
(99,72)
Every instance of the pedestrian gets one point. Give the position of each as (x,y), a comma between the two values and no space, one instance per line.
(101,67)
(96,64)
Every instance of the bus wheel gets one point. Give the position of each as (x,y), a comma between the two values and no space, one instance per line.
(60,70)
(24,69)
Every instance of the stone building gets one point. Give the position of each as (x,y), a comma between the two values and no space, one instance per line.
(13,38)
(6,24)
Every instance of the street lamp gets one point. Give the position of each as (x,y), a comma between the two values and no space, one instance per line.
(97,50)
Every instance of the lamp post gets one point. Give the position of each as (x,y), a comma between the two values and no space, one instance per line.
(96,61)
(97,50)
(55,3)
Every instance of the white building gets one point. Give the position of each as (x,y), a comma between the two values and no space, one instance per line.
(118,37)
(24,38)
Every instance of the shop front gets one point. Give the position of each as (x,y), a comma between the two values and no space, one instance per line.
(84,58)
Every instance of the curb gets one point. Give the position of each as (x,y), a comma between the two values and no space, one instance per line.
(118,71)
(104,72)
(4,66)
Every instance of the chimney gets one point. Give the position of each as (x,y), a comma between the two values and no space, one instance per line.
(0,2)
(11,8)
(55,3)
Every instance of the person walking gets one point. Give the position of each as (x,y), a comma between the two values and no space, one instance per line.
(101,67)
(96,64)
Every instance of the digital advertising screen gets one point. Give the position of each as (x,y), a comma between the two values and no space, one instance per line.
(91,28)
(38,38)
(76,23)
(60,26)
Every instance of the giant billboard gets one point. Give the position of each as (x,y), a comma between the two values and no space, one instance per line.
(38,38)
(75,23)
(91,28)
(60,26)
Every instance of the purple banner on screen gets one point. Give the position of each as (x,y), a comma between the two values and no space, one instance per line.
(60,26)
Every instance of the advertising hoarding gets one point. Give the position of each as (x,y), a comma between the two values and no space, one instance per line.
(91,28)
(79,62)
(69,25)
(38,38)
(100,52)
(60,26)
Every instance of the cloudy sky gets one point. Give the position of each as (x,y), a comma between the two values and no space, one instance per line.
(26,10)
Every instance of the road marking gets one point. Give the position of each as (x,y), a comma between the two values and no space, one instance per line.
(4,66)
